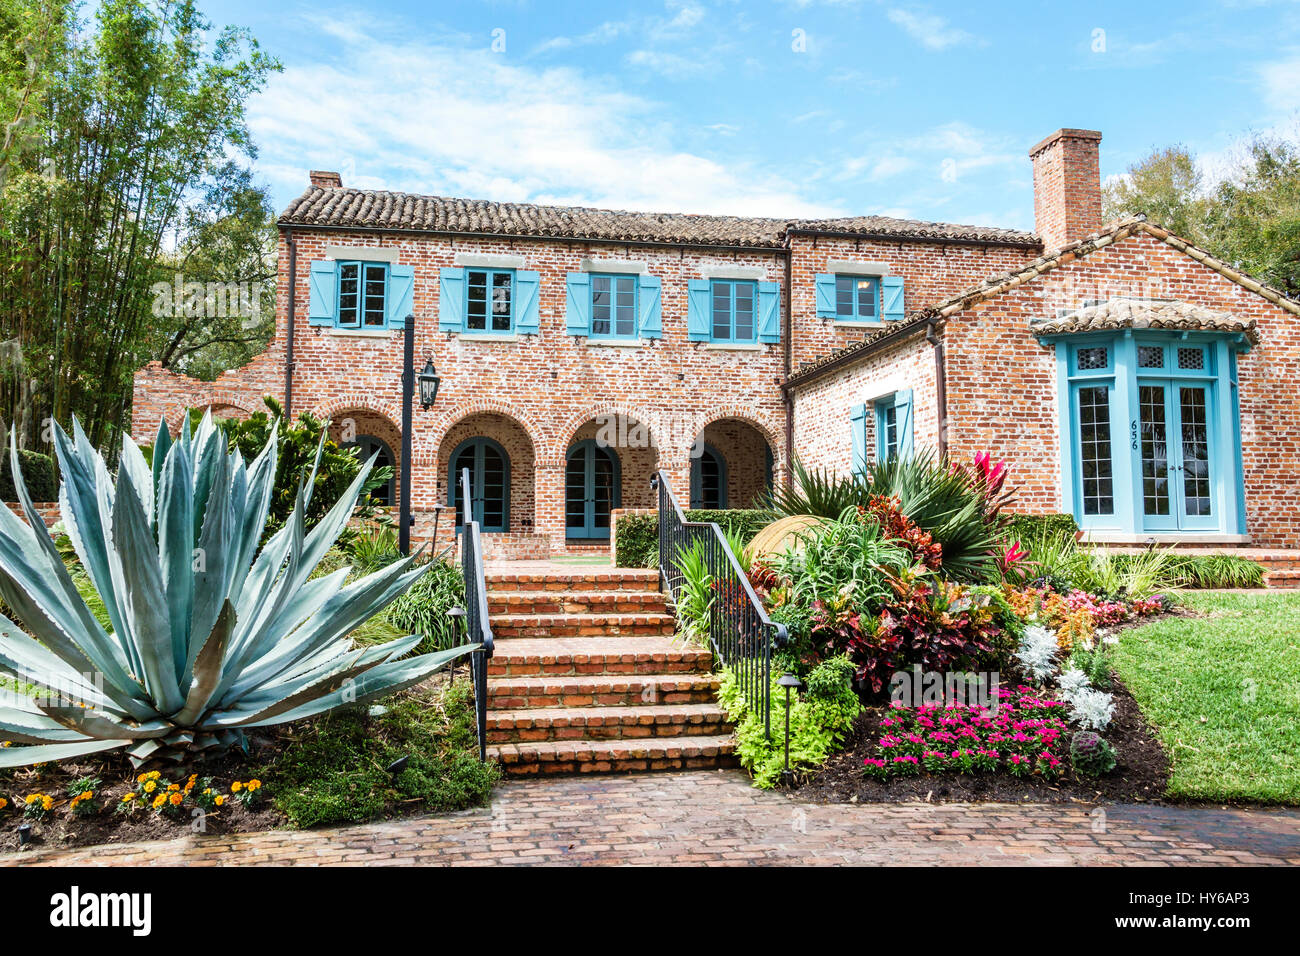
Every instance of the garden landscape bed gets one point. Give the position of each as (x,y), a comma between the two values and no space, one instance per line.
(338,769)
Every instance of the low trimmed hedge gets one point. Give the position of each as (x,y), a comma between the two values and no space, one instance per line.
(637,536)
(1028,527)
(38,472)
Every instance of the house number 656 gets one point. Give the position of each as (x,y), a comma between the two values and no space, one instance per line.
(1133,433)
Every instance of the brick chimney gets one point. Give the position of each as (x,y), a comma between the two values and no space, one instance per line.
(325,180)
(1067,186)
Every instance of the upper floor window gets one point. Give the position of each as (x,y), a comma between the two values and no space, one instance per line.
(363,290)
(355,294)
(857,297)
(489,300)
(733,310)
(613,306)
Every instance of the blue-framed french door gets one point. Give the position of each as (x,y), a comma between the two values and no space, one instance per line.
(1176,434)
(489,480)
(591,490)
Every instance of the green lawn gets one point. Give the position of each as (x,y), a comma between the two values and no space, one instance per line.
(1223,691)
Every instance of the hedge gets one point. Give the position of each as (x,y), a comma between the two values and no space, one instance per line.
(38,472)
(637,536)
(1030,527)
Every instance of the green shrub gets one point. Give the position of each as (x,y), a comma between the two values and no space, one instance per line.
(1029,527)
(1091,755)
(373,547)
(820,718)
(423,608)
(957,507)
(636,542)
(338,773)
(696,603)
(1217,571)
(38,472)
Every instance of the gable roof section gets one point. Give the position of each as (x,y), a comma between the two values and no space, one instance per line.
(338,207)
(995,285)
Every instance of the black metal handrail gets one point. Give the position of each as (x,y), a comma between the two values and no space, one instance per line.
(478,627)
(741,633)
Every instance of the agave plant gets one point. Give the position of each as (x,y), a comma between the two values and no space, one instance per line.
(208,636)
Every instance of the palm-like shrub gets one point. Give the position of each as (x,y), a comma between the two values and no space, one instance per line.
(208,636)
(959,508)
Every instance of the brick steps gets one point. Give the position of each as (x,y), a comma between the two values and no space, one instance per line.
(582,625)
(615,579)
(615,756)
(577,602)
(601,690)
(587,678)
(606,723)
(550,657)
(1287,578)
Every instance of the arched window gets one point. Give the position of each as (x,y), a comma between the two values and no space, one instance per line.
(489,479)
(367,445)
(709,479)
(591,489)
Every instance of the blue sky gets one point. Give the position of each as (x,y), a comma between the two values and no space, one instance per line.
(786,108)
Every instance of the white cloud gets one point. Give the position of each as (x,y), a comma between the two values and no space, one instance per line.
(417,116)
(1281,83)
(934,32)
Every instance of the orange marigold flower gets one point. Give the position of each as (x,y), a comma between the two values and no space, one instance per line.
(221,799)
(150,786)
(177,799)
(235,787)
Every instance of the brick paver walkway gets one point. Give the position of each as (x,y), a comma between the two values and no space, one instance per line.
(717,818)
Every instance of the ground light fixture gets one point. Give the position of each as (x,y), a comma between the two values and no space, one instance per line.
(24,834)
(789,682)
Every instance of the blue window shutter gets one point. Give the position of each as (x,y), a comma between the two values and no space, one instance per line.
(577,304)
(903,402)
(451,299)
(825,296)
(858,434)
(323,298)
(769,312)
(650,320)
(891,298)
(401,295)
(698,324)
(528,287)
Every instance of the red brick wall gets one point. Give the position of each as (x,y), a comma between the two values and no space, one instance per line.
(931,273)
(551,384)
(1002,383)
(821,408)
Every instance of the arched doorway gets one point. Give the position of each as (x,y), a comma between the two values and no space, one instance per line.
(709,479)
(592,489)
(366,445)
(489,479)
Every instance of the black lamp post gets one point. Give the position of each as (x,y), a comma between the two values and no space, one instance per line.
(789,682)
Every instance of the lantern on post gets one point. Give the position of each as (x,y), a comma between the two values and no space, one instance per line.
(789,682)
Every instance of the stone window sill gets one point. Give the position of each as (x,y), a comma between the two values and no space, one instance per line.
(365,333)
(735,346)
(489,337)
(1103,536)
(856,324)
(617,343)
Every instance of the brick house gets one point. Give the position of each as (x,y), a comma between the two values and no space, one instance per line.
(1127,376)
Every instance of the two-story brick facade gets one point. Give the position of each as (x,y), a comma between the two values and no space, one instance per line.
(580,349)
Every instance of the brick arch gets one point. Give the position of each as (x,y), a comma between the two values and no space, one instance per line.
(771,431)
(556,452)
(743,489)
(211,400)
(432,436)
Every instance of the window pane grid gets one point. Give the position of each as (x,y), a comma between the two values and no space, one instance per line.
(1094,457)
(1196,451)
(613,306)
(1155,450)
(734,305)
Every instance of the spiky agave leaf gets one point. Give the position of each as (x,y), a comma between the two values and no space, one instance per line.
(208,635)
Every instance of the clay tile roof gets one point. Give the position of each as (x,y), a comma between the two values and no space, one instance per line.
(365,208)
(1133,313)
(914,229)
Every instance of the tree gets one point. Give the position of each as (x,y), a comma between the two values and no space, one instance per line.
(1249,217)
(129,124)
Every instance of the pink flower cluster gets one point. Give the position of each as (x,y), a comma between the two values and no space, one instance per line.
(1106,613)
(1026,735)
